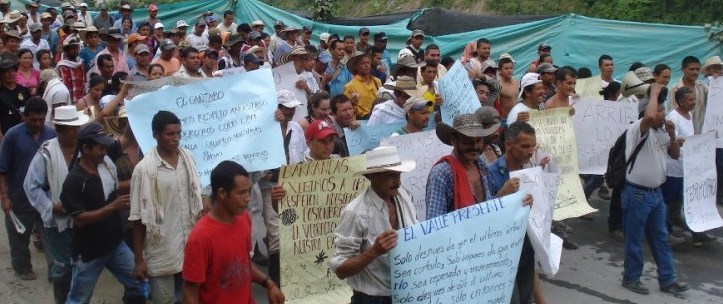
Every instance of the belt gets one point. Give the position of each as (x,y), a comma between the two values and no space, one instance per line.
(641,188)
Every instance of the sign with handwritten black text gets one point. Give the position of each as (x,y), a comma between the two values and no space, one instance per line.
(221,119)
(469,255)
(700,183)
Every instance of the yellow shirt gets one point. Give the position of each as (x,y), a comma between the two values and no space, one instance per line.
(366,89)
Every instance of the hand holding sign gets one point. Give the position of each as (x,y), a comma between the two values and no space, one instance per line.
(384,242)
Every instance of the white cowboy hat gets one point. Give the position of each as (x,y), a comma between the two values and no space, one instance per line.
(712,61)
(386,159)
(69,116)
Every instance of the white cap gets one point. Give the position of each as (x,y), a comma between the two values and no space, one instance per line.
(287,99)
(324,37)
(158,25)
(181,23)
(528,79)
(84,5)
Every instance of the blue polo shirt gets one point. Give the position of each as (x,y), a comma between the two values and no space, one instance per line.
(499,172)
(16,153)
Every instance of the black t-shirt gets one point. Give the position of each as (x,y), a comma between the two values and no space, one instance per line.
(12,103)
(83,191)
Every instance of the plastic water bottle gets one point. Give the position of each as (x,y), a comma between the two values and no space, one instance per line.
(145,289)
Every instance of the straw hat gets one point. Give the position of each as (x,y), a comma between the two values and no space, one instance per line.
(405,84)
(84,32)
(114,124)
(69,116)
(351,63)
(405,62)
(469,125)
(12,17)
(383,159)
(710,62)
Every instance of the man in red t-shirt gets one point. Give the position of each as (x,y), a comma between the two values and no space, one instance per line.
(217,267)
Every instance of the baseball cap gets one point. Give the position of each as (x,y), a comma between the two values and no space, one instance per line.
(306,29)
(546,68)
(200,22)
(94,131)
(103,6)
(250,57)
(211,18)
(167,45)
(319,129)
(158,25)
(84,5)
(324,37)
(380,36)
(416,103)
(136,37)
(279,23)
(508,56)
(141,48)
(254,36)
(363,31)
(287,98)
(527,80)
(416,33)
(257,23)
(544,46)
(181,23)
(488,64)
(126,6)
(35,27)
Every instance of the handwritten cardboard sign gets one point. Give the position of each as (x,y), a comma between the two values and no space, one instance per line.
(366,138)
(543,188)
(425,149)
(469,255)
(316,194)
(221,119)
(458,93)
(714,110)
(597,124)
(285,77)
(700,183)
(555,135)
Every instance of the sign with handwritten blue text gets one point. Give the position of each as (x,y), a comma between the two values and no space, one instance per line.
(366,138)
(221,119)
(469,255)
(457,93)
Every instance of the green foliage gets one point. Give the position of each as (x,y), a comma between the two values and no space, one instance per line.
(323,9)
(659,11)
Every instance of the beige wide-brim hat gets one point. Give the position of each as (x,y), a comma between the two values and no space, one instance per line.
(351,63)
(114,125)
(469,125)
(69,116)
(405,84)
(12,17)
(384,159)
(710,62)
(84,32)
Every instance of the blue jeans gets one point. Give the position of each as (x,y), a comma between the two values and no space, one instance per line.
(644,215)
(58,250)
(119,262)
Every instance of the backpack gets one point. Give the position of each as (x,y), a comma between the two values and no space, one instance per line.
(617,164)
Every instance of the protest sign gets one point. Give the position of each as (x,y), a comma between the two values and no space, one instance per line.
(543,188)
(285,77)
(316,194)
(222,119)
(457,92)
(714,110)
(597,124)
(555,135)
(229,72)
(425,149)
(469,255)
(140,87)
(700,183)
(366,138)
(589,88)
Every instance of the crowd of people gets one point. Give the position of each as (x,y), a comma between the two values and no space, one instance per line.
(74,180)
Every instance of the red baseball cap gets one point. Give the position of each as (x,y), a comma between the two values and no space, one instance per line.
(319,129)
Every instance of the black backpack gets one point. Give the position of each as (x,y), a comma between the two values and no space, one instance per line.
(615,174)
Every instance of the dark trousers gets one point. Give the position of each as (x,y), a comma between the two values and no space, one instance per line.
(591,183)
(615,219)
(362,298)
(719,171)
(525,280)
(20,242)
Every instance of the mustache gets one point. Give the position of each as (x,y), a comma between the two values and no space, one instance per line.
(473,150)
